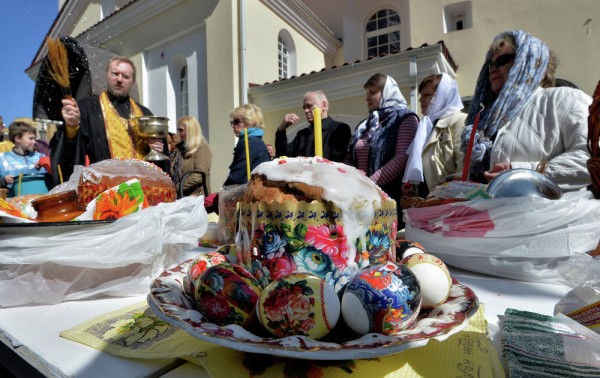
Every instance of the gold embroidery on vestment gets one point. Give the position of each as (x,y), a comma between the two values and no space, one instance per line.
(122,134)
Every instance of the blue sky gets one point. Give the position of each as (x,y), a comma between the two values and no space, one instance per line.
(25,23)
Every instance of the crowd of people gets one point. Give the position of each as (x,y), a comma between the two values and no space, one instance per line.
(517,119)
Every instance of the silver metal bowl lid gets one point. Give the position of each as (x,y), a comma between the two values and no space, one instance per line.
(523,183)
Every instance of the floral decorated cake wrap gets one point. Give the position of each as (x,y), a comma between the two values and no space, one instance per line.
(278,239)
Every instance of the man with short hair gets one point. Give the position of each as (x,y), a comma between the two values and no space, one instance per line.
(271,150)
(336,135)
(99,127)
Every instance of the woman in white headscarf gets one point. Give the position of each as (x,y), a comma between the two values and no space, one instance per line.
(379,143)
(438,137)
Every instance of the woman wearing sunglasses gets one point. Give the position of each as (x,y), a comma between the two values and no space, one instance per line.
(525,121)
(192,153)
(246,117)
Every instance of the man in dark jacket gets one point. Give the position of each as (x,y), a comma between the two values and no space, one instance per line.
(336,135)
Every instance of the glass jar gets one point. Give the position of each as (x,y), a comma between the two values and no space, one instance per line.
(59,207)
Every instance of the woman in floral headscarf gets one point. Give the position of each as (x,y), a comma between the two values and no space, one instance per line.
(379,144)
(524,122)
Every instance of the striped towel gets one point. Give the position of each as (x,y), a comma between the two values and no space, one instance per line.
(538,345)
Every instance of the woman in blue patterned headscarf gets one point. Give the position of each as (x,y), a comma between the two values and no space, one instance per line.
(523,122)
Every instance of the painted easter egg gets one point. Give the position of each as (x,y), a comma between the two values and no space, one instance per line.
(434,278)
(227,294)
(405,248)
(198,266)
(230,252)
(384,298)
(299,304)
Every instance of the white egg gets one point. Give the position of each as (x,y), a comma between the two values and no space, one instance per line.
(355,315)
(434,278)
(405,248)
(411,251)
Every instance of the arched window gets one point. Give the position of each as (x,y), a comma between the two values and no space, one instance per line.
(458,16)
(183,108)
(286,55)
(383,33)
(283,59)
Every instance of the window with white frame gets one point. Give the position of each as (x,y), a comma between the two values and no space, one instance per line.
(383,33)
(458,16)
(183,108)
(283,59)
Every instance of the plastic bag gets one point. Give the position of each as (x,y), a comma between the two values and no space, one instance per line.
(70,184)
(582,303)
(229,196)
(522,238)
(54,264)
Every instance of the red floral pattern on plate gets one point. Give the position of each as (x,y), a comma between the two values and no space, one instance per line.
(172,304)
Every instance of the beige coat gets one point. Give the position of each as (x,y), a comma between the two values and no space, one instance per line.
(552,127)
(441,155)
(200,160)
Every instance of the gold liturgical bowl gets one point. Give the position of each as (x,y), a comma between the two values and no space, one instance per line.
(153,127)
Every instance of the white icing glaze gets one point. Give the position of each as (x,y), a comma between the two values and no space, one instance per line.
(345,186)
(123,168)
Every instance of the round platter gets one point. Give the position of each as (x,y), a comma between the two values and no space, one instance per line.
(168,300)
(48,228)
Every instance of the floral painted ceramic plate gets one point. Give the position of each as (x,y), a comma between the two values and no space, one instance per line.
(171,303)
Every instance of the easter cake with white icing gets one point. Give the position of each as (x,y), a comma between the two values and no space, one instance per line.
(312,215)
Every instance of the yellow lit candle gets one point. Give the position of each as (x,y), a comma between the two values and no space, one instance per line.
(60,176)
(318,131)
(247,152)
(19,184)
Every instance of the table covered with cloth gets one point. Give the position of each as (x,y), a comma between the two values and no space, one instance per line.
(135,332)
(119,337)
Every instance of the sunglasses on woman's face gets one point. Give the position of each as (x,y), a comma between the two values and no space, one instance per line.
(501,61)
(235,122)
